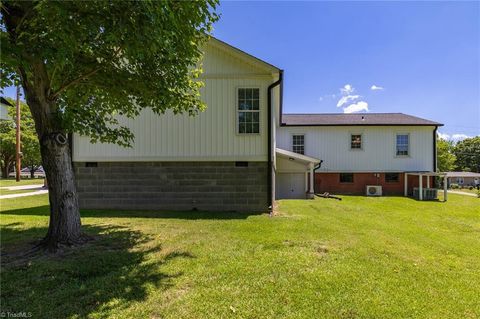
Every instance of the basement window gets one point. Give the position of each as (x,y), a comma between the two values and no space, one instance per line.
(346,177)
(298,143)
(392,177)
(241,164)
(248,111)
(91,164)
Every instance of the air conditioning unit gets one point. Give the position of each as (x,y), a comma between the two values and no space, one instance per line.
(374,190)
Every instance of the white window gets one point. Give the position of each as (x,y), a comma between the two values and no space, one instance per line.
(402,144)
(356,141)
(248,111)
(298,143)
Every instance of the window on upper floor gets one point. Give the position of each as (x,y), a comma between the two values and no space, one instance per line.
(248,110)
(356,141)
(298,143)
(402,148)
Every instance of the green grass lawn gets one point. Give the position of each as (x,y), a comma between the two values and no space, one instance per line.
(362,257)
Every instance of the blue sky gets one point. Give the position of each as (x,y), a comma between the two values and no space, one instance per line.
(425,55)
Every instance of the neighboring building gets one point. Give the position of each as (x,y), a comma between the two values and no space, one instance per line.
(242,153)
(362,149)
(4,105)
(463,179)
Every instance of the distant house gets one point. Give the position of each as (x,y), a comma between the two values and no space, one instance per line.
(4,105)
(242,153)
(462,178)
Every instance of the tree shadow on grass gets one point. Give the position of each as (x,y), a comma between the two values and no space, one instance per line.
(103,277)
(188,215)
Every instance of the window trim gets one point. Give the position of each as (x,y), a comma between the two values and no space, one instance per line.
(350,141)
(395,145)
(237,110)
(340,178)
(291,139)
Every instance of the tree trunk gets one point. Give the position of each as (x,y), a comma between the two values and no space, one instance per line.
(64,228)
(32,172)
(65,225)
(5,170)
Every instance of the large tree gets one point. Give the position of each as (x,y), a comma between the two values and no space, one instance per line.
(468,154)
(84,63)
(29,140)
(445,157)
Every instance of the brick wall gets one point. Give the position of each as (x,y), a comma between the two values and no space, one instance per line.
(330,182)
(215,186)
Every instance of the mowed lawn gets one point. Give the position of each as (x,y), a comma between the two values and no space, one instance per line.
(388,257)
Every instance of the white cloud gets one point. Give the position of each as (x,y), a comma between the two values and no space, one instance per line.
(356,107)
(376,88)
(459,137)
(443,136)
(454,137)
(320,99)
(347,89)
(347,98)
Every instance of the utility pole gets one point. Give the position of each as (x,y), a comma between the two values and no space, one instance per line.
(18,164)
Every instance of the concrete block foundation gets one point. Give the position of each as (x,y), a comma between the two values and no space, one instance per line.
(209,186)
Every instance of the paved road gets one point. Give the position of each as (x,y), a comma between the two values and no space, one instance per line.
(16,188)
(40,190)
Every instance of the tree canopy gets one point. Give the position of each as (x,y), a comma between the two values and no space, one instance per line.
(467,153)
(445,157)
(29,141)
(82,64)
(100,59)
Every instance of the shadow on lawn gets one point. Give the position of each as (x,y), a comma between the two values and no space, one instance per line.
(189,215)
(106,275)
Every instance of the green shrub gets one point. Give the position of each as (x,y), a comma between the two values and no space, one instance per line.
(454,186)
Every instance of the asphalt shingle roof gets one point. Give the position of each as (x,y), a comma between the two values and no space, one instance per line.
(340,119)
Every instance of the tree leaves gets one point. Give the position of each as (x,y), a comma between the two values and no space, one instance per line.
(106,58)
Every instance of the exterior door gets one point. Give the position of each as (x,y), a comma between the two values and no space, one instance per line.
(290,186)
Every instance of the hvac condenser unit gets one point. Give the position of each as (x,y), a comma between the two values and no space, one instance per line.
(428,193)
(374,190)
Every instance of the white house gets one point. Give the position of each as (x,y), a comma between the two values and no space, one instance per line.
(242,152)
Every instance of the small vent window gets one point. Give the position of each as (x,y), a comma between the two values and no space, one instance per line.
(241,164)
(91,164)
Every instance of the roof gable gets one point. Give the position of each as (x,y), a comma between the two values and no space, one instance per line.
(221,57)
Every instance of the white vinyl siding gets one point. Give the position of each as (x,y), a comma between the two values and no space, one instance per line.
(209,136)
(329,143)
